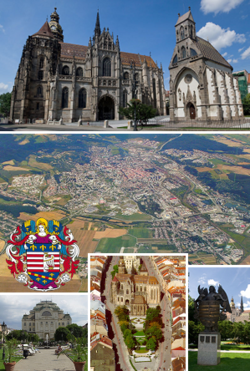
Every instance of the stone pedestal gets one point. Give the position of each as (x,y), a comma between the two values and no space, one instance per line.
(209,348)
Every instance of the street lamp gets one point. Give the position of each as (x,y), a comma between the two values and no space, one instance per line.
(132,66)
(4,327)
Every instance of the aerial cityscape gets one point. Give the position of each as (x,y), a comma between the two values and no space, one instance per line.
(137,312)
(155,193)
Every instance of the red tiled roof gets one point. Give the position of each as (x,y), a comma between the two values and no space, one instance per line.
(45,31)
(80,51)
(248,80)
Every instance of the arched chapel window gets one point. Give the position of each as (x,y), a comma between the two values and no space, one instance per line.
(183,52)
(125,98)
(175,60)
(106,67)
(126,76)
(65,70)
(192,52)
(79,72)
(182,33)
(65,97)
(41,62)
(40,91)
(40,75)
(82,98)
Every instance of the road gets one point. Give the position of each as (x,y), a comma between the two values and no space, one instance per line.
(165,346)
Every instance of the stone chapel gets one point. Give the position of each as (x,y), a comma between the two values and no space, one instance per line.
(202,86)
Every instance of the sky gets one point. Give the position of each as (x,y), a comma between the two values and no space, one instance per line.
(13,307)
(234,280)
(143,26)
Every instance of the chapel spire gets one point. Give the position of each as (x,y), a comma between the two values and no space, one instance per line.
(97,25)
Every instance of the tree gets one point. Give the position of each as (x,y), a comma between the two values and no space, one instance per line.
(76,330)
(62,334)
(193,331)
(154,332)
(5,101)
(191,309)
(225,329)
(143,112)
(151,343)
(246,104)
(130,342)
(126,333)
(114,271)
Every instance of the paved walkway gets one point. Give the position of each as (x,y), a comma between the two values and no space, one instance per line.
(224,351)
(46,360)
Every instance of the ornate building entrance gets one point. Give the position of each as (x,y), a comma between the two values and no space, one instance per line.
(106,108)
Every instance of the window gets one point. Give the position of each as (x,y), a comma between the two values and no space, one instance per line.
(183,52)
(39,91)
(65,97)
(125,98)
(182,33)
(191,31)
(46,313)
(40,75)
(65,70)
(82,98)
(106,67)
(175,59)
(136,76)
(25,324)
(126,76)
(192,52)
(79,72)
(41,62)
(127,292)
(37,106)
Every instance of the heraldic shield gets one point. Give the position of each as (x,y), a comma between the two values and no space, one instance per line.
(42,254)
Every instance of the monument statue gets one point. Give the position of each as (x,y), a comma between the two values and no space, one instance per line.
(210,307)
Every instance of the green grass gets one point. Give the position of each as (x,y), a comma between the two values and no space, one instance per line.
(228,362)
(141,350)
(141,232)
(133,217)
(114,244)
(2,368)
(139,333)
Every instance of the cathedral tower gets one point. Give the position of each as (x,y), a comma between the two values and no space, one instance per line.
(55,26)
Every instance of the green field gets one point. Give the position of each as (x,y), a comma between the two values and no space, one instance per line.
(228,362)
(113,245)
(134,217)
(141,232)
(2,368)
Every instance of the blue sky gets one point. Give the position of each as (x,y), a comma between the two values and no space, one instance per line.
(143,26)
(234,280)
(13,307)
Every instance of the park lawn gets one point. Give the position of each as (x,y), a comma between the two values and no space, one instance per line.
(139,333)
(228,362)
(114,244)
(141,350)
(2,368)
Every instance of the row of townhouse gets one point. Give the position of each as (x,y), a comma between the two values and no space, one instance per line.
(172,276)
(101,346)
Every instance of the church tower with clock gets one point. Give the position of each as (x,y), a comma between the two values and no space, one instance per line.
(55,26)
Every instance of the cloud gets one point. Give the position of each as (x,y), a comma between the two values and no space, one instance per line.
(212,282)
(224,54)
(229,60)
(246,53)
(235,60)
(240,50)
(244,16)
(216,6)
(220,37)
(4,88)
(2,29)
(202,280)
(246,293)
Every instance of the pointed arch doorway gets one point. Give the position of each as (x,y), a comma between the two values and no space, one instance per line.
(191,111)
(106,108)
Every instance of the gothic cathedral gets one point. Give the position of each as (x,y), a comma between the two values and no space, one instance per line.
(60,80)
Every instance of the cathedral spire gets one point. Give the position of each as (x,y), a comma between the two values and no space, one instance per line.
(241,305)
(97,25)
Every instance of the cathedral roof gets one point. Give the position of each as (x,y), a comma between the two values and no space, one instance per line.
(138,299)
(209,52)
(184,17)
(44,31)
(80,51)
(73,50)
(122,277)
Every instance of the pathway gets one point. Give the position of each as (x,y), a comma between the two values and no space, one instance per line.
(45,360)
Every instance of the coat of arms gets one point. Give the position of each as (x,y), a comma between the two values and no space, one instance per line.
(42,254)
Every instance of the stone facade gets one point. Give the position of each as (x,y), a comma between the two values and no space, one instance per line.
(44,319)
(60,80)
(137,292)
(202,86)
